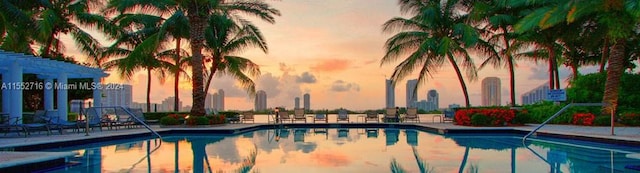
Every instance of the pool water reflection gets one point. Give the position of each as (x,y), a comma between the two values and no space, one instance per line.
(352,150)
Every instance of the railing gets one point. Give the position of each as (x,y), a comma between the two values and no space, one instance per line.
(558,113)
(98,110)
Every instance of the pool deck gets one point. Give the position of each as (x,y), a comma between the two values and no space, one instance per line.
(12,141)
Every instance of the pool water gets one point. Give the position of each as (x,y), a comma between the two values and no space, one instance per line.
(351,150)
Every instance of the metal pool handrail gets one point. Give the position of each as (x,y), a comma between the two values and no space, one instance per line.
(126,110)
(557,114)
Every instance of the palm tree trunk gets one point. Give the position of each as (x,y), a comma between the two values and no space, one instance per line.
(512,79)
(551,69)
(614,73)
(556,76)
(176,105)
(213,70)
(464,160)
(148,89)
(462,84)
(197,22)
(47,48)
(605,54)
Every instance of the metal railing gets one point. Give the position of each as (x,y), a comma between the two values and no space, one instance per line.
(558,114)
(98,110)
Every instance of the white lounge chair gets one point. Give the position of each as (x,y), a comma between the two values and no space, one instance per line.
(343,116)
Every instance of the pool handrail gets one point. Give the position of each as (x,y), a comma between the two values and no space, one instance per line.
(131,115)
(557,114)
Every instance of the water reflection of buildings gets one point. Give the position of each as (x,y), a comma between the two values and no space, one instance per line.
(392,136)
(412,137)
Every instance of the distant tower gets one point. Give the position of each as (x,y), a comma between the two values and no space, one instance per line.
(307,101)
(390,94)
(412,97)
(491,91)
(433,99)
(297,102)
(261,101)
(209,101)
(220,100)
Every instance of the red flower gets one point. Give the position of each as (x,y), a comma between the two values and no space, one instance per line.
(583,119)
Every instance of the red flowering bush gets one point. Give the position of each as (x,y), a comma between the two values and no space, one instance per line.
(631,119)
(484,117)
(583,119)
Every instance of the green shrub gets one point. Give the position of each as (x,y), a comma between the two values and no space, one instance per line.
(216,119)
(230,114)
(479,119)
(590,88)
(167,120)
(540,112)
(522,117)
(158,115)
(602,120)
(630,119)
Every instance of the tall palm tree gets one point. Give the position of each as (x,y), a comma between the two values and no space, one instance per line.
(618,17)
(17,25)
(435,34)
(197,13)
(138,31)
(496,19)
(226,36)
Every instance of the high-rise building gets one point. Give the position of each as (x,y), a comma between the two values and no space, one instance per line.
(491,91)
(296,102)
(390,99)
(307,101)
(220,100)
(209,101)
(434,100)
(412,96)
(261,101)
(168,104)
(116,95)
(536,95)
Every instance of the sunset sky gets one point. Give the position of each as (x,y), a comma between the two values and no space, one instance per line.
(332,49)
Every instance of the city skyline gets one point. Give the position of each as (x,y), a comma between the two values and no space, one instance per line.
(340,68)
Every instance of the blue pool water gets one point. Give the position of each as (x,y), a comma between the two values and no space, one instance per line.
(351,150)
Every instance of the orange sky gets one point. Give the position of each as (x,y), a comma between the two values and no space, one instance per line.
(331,49)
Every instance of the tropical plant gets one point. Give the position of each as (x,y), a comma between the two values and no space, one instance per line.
(436,33)
(619,19)
(197,13)
(226,36)
(422,165)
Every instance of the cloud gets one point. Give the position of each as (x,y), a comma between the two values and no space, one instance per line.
(306,77)
(331,65)
(342,86)
(331,159)
(228,85)
(269,84)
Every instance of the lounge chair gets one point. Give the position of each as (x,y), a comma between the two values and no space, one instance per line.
(448,115)
(390,115)
(7,123)
(371,116)
(412,115)
(320,117)
(284,116)
(372,133)
(298,115)
(342,116)
(343,132)
(247,116)
(298,135)
(94,121)
(37,124)
(55,122)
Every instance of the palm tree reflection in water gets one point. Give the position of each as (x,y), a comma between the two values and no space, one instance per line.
(422,165)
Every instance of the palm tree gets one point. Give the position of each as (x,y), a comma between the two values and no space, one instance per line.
(496,19)
(130,46)
(17,25)
(618,17)
(435,34)
(57,17)
(225,36)
(197,13)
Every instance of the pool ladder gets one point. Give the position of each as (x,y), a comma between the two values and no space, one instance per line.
(560,112)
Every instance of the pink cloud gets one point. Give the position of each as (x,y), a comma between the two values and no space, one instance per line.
(331,65)
(331,159)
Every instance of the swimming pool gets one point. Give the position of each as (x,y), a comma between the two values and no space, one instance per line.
(350,150)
